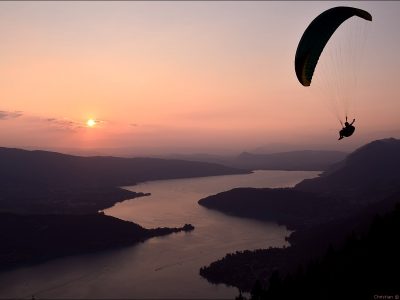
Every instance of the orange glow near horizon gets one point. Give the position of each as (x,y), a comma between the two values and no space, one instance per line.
(180,76)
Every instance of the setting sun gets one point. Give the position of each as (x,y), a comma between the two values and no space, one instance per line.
(90,123)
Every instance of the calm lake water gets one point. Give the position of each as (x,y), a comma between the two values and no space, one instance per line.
(161,267)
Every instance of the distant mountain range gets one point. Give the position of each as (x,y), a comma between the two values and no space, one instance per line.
(51,168)
(50,182)
(305,160)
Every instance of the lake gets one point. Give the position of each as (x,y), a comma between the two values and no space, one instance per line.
(161,267)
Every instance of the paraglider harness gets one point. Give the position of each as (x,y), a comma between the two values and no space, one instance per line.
(347,130)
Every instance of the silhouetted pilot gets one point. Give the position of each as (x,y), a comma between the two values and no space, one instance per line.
(347,130)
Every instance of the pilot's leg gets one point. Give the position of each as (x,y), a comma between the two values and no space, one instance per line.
(340,134)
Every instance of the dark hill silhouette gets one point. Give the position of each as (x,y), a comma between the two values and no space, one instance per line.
(50,182)
(49,202)
(364,267)
(243,268)
(37,238)
(323,210)
(368,174)
(51,168)
(293,208)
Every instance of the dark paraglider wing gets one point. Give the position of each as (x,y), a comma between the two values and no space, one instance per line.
(317,35)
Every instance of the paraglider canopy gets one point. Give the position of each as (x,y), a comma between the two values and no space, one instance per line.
(316,37)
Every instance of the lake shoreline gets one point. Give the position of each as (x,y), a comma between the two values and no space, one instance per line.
(169,203)
(40,238)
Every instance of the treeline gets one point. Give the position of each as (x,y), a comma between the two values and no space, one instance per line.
(242,268)
(365,267)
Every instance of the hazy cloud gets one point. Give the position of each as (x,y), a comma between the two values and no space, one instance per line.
(98,121)
(63,124)
(4,115)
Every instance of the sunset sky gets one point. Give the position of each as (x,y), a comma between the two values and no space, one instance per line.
(162,77)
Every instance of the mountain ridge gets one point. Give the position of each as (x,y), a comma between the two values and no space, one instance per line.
(50,182)
(299,160)
(342,201)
